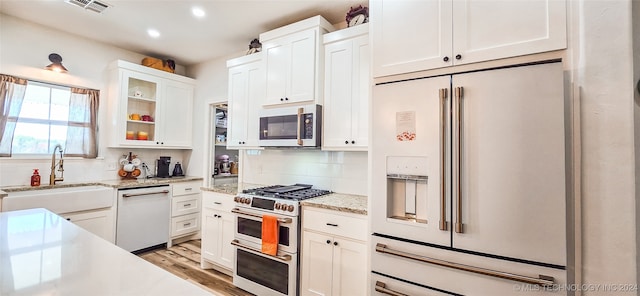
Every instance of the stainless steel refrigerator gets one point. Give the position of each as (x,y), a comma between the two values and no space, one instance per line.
(469,183)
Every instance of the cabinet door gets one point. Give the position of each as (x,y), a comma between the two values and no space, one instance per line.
(513,163)
(238,108)
(349,267)
(140,95)
(210,235)
(277,59)
(175,120)
(317,264)
(227,229)
(302,75)
(410,35)
(338,93)
(291,68)
(246,94)
(100,222)
(487,30)
(346,96)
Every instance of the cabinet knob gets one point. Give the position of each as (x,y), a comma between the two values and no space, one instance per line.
(458,57)
(328,242)
(215,215)
(286,99)
(281,99)
(346,142)
(335,243)
(243,142)
(68,219)
(446,59)
(157,143)
(239,142)
(353,142)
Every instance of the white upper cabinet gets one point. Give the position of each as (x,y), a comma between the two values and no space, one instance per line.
(346,94)
(149,108)
(293,62)
(411,36)
(246,92)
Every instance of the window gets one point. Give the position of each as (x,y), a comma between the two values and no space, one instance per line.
(43,119)
(37,116)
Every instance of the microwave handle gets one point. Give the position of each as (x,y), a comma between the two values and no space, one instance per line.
(299,138)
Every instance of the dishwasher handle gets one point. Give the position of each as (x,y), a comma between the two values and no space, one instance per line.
(145,193)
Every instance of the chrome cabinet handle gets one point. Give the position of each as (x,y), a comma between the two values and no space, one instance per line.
(443,147)
(146,193)
(382,288)
(237,243)
(459,227)
(541,280)
(298,136)
(281,220)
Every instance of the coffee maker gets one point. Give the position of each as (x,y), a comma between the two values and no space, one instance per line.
(162,167)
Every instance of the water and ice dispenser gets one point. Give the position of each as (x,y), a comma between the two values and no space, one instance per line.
(407,188)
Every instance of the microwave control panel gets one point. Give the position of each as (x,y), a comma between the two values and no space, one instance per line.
(307,126)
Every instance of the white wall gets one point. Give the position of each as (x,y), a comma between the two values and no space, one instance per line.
(602,71)
(24,51)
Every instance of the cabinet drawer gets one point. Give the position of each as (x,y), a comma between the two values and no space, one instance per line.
(186,188)
(335,223)
(218,201)
(183,205)
(185,224)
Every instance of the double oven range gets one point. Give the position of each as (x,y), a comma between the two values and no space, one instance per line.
(260,273)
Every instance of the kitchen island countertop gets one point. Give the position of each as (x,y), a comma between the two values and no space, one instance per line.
(43,254)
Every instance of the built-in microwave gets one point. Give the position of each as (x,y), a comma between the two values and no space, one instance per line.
(295,126)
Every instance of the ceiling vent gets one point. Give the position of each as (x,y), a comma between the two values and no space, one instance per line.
(93,5)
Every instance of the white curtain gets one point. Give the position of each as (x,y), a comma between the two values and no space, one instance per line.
(12,90)
(82,125)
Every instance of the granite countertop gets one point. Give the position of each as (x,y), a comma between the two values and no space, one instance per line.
(118,184)
(43,254)
(349,203)
(231,188)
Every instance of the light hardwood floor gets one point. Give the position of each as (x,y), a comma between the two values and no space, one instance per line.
(183,260)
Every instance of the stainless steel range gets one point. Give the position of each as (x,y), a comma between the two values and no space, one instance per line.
(260,273)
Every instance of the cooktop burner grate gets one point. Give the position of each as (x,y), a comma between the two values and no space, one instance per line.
(293,192)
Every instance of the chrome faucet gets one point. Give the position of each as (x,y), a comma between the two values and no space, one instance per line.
(52,177)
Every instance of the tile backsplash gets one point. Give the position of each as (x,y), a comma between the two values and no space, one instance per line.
(342,172)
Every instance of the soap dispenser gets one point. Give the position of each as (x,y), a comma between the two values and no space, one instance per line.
(35,178)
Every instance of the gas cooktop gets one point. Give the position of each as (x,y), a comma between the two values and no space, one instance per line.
(293,192)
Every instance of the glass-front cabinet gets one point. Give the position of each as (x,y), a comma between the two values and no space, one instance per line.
(149,108)
(141,107)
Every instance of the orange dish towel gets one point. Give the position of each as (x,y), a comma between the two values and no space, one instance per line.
(270,231)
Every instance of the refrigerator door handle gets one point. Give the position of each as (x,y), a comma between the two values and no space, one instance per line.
(458,95)
(541,280)
(443,161)
(382,288)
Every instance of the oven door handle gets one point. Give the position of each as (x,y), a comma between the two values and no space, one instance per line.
(281,220)
(236,243)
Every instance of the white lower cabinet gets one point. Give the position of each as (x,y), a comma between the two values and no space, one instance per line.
(334,253)
(100,222)
(218,226)
(185,209)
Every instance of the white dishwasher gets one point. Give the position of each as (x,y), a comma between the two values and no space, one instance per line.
(143,217)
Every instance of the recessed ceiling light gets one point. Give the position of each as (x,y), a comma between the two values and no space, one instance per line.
(153,33)
(198,12)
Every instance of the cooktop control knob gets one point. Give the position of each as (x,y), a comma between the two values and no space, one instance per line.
(236,199)
(290,208)
(277,206)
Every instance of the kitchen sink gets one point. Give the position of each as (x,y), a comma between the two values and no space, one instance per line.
(62,199)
